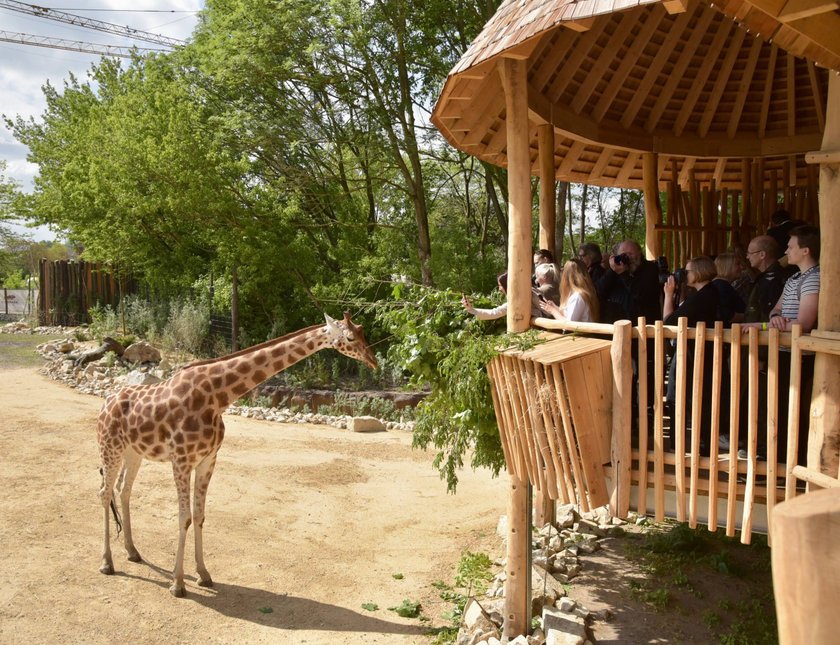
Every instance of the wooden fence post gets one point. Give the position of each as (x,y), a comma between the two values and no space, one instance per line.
(620,453)
(805,563)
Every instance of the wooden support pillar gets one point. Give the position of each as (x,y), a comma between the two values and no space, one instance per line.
(824,433)
(548,212)
(653,209)
(518,570)
(805,563)
(620,449)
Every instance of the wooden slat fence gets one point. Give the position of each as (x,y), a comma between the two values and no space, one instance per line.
(565,424)
(68,289)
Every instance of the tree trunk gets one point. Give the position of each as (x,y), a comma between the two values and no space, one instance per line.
(559,229)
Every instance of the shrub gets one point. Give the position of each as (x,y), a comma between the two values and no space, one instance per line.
(187,328)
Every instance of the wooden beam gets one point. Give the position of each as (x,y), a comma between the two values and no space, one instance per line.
(574,61)
(798,9)
(654,17)
(790,74)
(548,212)
(675,33)
(603,61)
(699,82)
(620,448)
(733,49)
(653,209)
(819,104)
(584,24)
(744,87)
(675,6)
(768,90)
(824,436)
(518,570)
(678,72)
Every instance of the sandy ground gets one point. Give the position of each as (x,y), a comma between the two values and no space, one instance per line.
(304,525)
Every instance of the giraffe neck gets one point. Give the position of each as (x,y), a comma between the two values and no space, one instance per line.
(243,371)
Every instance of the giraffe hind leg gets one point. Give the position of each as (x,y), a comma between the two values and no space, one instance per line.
(127,476)
(181,472)
(203,473)
(110,471)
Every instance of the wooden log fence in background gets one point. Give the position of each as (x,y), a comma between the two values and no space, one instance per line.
(69,289)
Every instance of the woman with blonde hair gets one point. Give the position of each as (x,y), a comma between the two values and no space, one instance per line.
(578,300)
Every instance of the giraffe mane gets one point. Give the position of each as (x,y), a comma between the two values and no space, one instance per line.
(253,348)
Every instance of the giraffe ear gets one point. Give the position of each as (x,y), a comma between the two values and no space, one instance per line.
(333,330)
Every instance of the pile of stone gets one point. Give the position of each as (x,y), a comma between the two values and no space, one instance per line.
(141,363)
(26,328)
(558,556)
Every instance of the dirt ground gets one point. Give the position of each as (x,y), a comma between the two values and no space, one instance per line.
(304,525)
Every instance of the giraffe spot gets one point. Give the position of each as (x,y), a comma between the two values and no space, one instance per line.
(242,367)
(197,403)
(178,414)
(208,433)
(181,390)
(216,382)
(191,424)
(181,450)
(207,416)
(217,370)
(260,359)
(125,406)
(134,434)
(201,447)
(230,379)
(310,345)
(206,387)
(259,376)
(221,400)
(162,435)
(240,389)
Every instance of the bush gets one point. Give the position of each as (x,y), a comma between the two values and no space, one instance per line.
(187,328)
(440,345)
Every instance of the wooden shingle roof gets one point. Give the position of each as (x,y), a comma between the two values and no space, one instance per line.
(702,84)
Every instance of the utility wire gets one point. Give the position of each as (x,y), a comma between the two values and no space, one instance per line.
(89,23)
(73,45)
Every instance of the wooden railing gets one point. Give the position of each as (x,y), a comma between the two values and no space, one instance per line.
(643,454)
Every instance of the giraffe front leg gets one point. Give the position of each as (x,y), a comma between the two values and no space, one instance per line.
(182,484)
(203,473)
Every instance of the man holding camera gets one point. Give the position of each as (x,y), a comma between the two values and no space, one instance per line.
(630,287)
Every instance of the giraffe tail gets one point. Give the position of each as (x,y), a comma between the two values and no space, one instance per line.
(114,511)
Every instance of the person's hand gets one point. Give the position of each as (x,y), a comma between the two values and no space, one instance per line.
(467,303)
(550,308)
(779,322)
(745,327)
(670,286)
(618,268)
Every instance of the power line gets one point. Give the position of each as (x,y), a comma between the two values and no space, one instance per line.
(73,45)
(87,9)
(89,23)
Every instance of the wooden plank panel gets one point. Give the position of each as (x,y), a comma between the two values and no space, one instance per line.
(734,416)
(717,374)
(696,409)
(537,404)
(561,397)
(587,437)
(772,424)
(658,428)
(752,436)
(643,417)
(793,411)
(564,451)
(501,416)
(556,481)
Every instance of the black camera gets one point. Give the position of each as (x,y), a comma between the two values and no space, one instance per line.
(622,258)
(662,268)
(680,276)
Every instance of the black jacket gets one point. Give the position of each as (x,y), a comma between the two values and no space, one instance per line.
(627,296)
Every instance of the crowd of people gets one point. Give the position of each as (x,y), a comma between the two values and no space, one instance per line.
(773,283)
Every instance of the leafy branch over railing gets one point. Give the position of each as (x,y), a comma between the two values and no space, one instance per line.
(443,347)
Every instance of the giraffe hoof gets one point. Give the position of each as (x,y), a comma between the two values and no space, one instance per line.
(107,569)
(177,591)
(134,557)
(205,582)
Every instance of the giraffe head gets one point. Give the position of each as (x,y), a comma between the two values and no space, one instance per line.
(349,339)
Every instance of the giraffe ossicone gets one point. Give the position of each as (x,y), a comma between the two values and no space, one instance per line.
(180,421)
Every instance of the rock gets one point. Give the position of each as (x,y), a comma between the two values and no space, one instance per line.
(545,583)
(473,613)
(566,605)
(566,516)
(563,629)
(604,615)
(136,377)
(366,424)
(141,352)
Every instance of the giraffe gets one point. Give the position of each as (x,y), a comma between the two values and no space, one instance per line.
(180,421)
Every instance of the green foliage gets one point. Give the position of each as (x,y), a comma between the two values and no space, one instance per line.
(443,347)
(15,280)
(104,321)
(187,327)
(407,609)
(370,606)
(473,573)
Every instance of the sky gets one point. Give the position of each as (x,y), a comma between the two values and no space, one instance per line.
(24,69)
